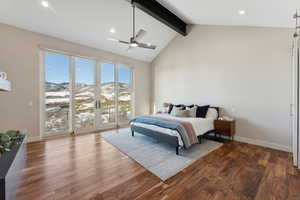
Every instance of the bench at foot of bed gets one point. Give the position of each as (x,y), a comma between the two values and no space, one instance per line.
(169,139)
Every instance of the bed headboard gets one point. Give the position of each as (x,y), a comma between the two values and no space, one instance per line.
(215,107)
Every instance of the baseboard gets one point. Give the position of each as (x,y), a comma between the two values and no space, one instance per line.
(33,139)
(263,143)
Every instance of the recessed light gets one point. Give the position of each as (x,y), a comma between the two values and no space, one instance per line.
(45,4)
(112,30)
(242,12)
(148,44)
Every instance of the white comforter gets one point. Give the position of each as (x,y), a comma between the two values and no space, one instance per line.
(200,125)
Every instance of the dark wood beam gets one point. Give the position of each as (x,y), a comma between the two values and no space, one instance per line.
(159,12)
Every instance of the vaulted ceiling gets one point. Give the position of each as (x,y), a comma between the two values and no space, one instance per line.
(262,13)
(89,22)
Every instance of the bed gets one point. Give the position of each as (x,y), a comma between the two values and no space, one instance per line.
(175,131)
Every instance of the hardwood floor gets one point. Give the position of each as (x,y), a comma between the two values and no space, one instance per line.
(87,167)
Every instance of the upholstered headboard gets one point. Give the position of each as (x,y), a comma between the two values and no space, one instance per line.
(215,107)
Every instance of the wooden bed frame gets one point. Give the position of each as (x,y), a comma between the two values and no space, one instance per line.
(165,138)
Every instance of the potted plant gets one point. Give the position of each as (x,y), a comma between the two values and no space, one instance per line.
(9,140)
(12,161)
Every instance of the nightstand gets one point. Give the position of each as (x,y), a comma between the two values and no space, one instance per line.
(225,128)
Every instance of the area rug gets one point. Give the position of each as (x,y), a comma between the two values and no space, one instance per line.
(159,158)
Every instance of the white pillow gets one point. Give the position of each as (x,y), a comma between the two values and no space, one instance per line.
(173,112)
(212,113)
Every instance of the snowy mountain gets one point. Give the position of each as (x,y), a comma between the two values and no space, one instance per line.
(58,102)
(59,93)
(54,87)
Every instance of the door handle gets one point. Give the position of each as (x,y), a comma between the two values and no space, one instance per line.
(99,104)
(291,110)
(96,104)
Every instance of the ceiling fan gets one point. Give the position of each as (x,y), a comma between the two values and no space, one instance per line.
(135,39)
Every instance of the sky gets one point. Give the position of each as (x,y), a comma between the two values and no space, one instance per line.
(57,70)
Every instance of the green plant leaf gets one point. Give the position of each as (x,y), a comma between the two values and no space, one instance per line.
(9,139)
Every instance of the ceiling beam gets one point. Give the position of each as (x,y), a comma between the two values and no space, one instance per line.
(159,12)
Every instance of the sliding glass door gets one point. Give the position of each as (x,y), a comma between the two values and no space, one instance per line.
(83,95)
(116,93)
(56,93)
(107,84)
(125,92)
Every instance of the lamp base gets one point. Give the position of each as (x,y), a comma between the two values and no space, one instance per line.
(5,85)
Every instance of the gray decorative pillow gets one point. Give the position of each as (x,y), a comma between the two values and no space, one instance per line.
(179,112)
(182,113)
(192,111)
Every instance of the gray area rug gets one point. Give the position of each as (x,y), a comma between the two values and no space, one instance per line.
(159,158)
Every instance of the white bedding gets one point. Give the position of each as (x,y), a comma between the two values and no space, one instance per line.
(200,125)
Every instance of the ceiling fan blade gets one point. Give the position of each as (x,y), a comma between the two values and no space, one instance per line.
(113,39)
(124,42)
(147,46)
(140,35)
(116,40)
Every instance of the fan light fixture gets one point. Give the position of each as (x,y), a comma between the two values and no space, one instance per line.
(45,4)
(134,45)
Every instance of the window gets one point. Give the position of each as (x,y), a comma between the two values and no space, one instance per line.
(84,94)
(57,92)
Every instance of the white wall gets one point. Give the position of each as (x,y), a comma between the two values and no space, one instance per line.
(19,59)
(244,70)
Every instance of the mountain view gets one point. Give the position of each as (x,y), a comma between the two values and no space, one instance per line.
(58,102)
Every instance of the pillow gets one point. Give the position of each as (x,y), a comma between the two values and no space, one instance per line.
(178,112)
(192,111)
(182,113)
(173,111)
(170,108)
(180,106)
(201,111)
(190,106)
(212,113)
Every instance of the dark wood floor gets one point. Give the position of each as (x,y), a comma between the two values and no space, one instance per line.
(87,167)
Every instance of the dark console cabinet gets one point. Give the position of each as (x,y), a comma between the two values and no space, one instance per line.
(11,165)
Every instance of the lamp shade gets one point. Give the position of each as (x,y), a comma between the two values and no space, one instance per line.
(5,85)
(166,105)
